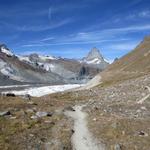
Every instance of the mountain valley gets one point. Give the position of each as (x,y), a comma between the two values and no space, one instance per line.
(117,104)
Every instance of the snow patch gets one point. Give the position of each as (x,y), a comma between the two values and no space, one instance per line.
(13,86)
(48,67)
(47,57)
(6,51)
(6,70)
(110,61)
(24,58)
(94,61)
(41,91)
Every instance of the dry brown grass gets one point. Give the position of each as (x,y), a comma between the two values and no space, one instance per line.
(22,132)
(113,129)
(133,65)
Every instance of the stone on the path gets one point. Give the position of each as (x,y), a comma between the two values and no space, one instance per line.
(5,113)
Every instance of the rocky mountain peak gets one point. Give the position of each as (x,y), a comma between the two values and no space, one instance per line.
(95,57)
(94,53)
(34,57)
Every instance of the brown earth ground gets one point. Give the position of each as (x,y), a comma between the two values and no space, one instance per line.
(114,117)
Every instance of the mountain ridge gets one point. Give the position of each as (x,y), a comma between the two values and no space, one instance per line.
(45,69)
(134,64)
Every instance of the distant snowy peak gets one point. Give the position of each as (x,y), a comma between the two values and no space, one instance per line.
(5,50)
(42,57)
(23,58)
(94,53)
(36,57)
(47,57)
(94,57)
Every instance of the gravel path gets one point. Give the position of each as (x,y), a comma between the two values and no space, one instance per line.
(82,138)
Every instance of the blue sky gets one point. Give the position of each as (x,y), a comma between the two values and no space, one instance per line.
(70,28)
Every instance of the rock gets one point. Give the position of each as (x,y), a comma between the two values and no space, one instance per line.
(10,95)
(13,117)
(123,132)
(34,117)
(5,113)
(138,111)
(58,111)
(29,110)
(43,114)
(114,125)
(69,108)
(31,135)
(142,133)
(96,108)
(143,108)
(27,97)
(47,121)
(43,139)
(72,131)
(94,119)
(32,103)
(117,147)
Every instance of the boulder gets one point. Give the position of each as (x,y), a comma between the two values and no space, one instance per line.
(5,113)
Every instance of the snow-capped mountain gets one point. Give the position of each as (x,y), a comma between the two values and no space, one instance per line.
(33,58)
(11,68)
(94,57)
(35,68)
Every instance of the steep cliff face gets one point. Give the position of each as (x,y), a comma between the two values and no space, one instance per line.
(94,54)
(96,59)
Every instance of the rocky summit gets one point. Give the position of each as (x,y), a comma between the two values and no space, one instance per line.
(95,58)
(94,54)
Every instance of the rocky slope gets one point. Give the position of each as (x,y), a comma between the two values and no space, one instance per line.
(132,65)
(12,68)
(118,105)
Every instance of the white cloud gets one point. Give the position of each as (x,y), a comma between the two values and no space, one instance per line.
(101,36)
(70,42)
(137,15)
(46,39)
(145,13)
(44,27)
(123,46)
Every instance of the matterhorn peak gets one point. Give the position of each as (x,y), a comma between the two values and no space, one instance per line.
(94,57)
(94,54)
